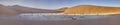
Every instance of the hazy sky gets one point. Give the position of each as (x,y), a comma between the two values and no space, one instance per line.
(55,4)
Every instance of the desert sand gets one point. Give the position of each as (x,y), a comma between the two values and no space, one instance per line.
(91,9)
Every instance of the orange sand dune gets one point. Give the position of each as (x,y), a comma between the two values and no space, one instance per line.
(91,9)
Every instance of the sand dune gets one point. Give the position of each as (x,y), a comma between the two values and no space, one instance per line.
(91,9)
(22,9)
(16,9)
(80,9)
(6,11)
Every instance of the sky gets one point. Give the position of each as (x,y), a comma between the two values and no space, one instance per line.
(56,4)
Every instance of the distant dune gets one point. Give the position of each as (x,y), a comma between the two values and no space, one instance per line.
(6,11)
(16,9)
(22,9)
(91,9)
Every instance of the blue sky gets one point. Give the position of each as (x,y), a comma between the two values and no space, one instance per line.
(55,4)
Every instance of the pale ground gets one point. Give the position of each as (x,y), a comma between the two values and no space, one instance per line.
(113,20)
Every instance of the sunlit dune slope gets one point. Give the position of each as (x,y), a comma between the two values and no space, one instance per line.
(91,9)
